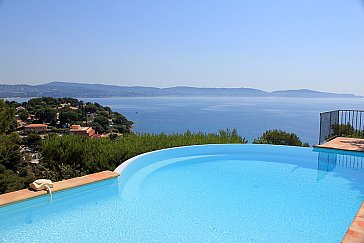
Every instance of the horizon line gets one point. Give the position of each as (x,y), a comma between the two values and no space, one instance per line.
(182,86)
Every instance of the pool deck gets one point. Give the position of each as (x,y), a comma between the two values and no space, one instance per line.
(16,196)
(355,233)
(342,143)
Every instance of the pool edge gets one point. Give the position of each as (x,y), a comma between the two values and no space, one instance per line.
(25,194)
(355,233)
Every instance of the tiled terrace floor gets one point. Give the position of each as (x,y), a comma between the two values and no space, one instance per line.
(24,194)
(355,233)
(349,144)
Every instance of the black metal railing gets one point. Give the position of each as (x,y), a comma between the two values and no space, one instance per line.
(344,123)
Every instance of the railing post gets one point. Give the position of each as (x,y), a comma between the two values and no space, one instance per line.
(339,122)
(330,127)
(320,128)
(361,131)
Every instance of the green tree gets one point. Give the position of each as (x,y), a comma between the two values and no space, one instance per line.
(49,102)
(279,137)
(23,114)
(15,172)
(9,151)
(67,116)
(90,108)
(97,127)
(119,119)
(33,141)
(10,181)
(103,121)
(113,136)
(7,118)
(35,102)
(104,114)
(12,104)
(121,128)
(122,124)
(47,115)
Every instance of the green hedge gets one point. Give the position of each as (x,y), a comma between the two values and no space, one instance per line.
(70,156)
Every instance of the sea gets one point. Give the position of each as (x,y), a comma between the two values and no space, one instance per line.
(251,116)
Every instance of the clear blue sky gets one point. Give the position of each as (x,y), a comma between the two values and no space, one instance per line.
(266,44)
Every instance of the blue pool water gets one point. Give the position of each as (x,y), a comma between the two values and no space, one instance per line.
(212,193)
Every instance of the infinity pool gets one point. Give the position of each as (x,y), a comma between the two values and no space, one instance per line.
(207,193)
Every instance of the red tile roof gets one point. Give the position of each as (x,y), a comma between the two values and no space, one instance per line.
(36,125)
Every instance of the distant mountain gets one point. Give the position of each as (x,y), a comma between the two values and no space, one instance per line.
(306,93)
(66,89)
(192,91)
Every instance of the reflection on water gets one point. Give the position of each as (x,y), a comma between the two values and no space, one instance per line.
(348,165)
(327,161)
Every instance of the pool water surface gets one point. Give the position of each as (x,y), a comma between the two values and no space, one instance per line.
(213,193)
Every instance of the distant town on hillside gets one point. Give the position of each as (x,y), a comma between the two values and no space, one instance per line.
(81,90)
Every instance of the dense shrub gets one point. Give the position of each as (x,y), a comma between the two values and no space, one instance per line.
(279,137)
(346,130)
(69,156)
(15,172)
(32,141)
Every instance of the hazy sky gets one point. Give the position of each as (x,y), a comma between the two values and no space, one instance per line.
(266,44)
